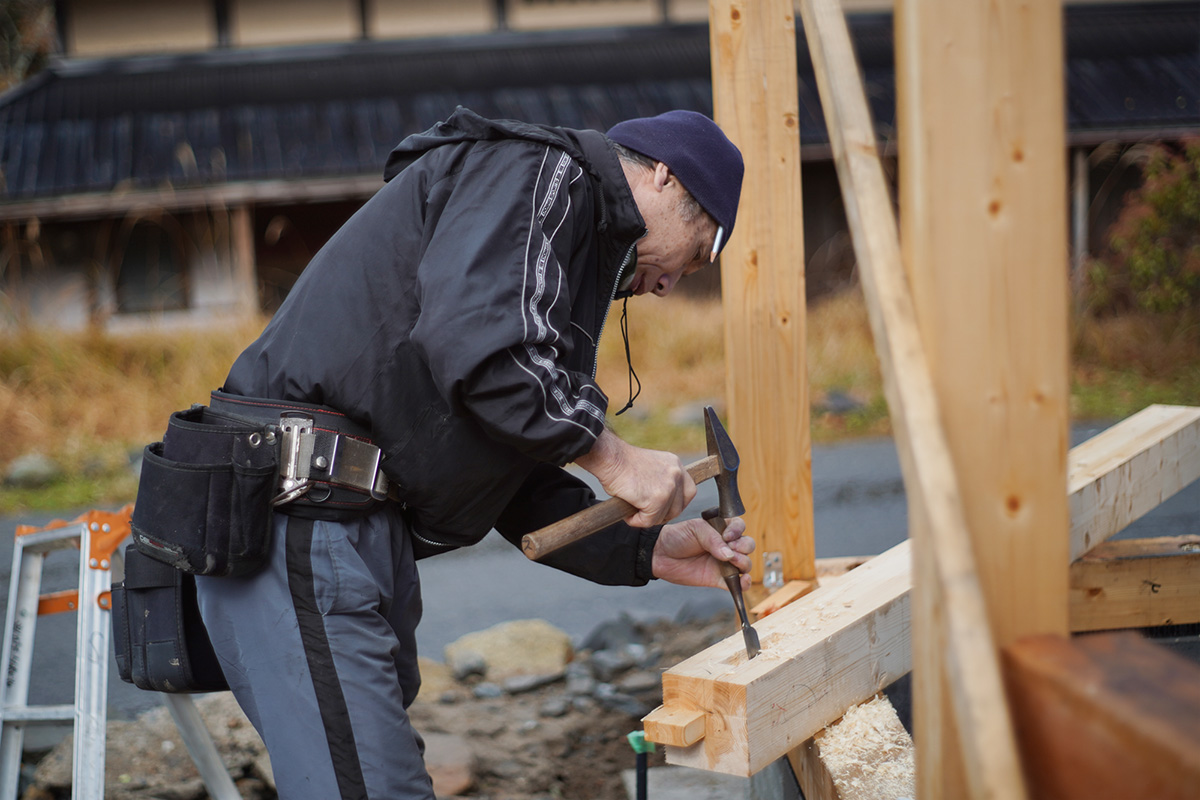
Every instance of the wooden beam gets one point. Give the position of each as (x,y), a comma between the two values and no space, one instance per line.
(810,650)
(958,654)
(756,102)
(120,202)
(866,755)
(1109,715)
(757,710)
(1121,473)
(242,251)
(1137,583)
(983,227)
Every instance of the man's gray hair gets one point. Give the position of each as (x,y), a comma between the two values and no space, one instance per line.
(690,208)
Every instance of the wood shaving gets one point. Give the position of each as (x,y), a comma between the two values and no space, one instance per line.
(869,754)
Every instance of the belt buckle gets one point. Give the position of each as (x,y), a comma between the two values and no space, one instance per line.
(355,463)
(297,442)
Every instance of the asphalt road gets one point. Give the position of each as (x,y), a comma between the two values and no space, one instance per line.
(859,506)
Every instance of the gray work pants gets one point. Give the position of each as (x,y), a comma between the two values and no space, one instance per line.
(319,649)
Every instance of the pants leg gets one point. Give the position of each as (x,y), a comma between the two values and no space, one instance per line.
(319,648)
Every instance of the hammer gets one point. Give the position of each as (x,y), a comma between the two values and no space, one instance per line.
(721,462)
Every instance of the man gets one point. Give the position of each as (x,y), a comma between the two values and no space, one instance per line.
(453,322)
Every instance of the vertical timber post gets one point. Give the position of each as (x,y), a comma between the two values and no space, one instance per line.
(984,238)
(756,103)
(244,268)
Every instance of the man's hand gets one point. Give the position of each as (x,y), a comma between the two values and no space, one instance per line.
(654,482)
(690,552)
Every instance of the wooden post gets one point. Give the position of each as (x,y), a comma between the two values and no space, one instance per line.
(983,229)
(756,102)
(244,271)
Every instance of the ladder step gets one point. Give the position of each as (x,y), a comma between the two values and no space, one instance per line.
(35,714)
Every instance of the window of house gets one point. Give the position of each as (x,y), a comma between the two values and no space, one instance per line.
(150,275)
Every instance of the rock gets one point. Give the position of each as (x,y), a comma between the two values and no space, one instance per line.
(520,684)
(703,607)
(146,758)
(640,682)
(613,635)
(555,707)
(838,402)
(451,763)
(579,680)
(463,663)
(608,664)
(607,696)
(521,647)
(487,691)
(436,680)
(32,471)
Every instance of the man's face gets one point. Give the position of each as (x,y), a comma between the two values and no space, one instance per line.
(678,240)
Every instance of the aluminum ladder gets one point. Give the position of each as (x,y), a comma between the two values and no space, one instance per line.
(97,535)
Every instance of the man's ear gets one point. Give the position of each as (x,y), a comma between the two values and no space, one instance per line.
(662,175)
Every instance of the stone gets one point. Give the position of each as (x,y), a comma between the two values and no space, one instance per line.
(520,647)
(487,691)
(703,607)
(32,471)
(613,634)
(608,664)
(146,758)
(464,662)
(451,763)
(436,680)
(519,684)
(640,682)
(555,707)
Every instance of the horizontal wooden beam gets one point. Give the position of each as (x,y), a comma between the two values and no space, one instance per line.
(1121,473)
(105,204)
(757,710)
(847,640)
(1108,715)
(1137,583)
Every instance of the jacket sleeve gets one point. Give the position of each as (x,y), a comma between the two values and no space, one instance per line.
(495,297)
(619,555)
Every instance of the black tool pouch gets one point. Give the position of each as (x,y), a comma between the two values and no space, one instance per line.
(204,498)
(160,640)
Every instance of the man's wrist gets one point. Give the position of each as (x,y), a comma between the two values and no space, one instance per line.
(643,567)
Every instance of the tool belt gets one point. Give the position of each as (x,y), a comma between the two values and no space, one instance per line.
(208,489)
(160,640)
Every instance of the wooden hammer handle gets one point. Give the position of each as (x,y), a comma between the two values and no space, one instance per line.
(584,523)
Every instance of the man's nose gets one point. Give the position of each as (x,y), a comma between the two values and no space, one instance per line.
(666,282)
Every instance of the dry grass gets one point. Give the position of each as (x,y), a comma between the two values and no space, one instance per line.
(90,400)
(87,400)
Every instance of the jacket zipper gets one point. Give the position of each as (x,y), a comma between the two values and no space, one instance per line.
(430,542)
(611,297)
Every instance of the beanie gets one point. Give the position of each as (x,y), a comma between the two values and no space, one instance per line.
(692,146)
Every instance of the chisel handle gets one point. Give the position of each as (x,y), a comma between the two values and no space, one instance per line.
(714,518)
(594,518)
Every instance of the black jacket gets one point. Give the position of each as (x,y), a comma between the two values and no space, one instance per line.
(456,316)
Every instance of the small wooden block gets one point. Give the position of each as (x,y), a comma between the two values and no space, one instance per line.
(792,590)
(675,727)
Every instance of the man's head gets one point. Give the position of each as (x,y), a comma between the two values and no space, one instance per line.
(686,183)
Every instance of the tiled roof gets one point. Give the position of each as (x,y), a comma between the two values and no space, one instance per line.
(314,112)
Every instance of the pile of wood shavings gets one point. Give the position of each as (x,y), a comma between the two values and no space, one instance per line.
(869,754)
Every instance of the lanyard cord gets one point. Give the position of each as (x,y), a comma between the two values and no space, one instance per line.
(632,375)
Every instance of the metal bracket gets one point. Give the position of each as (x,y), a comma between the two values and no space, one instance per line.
(297,441)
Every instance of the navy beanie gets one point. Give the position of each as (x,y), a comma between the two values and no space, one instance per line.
(692,146)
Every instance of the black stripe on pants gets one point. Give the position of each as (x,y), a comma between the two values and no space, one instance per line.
(332,703)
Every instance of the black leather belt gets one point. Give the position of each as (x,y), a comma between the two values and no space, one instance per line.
(321,452)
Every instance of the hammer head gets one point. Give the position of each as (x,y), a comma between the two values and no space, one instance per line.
(721,446)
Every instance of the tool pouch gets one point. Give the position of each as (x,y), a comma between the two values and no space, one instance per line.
(160,640)
(204,498)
